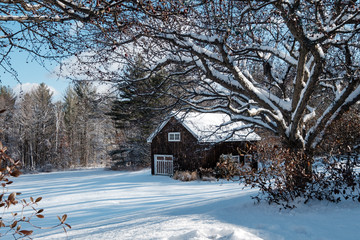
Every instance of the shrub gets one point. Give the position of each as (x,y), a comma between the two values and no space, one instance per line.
(283,179)
(206,174)
(335,179)
(332,178)
(226,168)
(185,176)
(343,135)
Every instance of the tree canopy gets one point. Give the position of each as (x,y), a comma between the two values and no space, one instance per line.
(291,67)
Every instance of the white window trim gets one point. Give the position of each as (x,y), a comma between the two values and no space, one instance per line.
(174,139)
(248,159)
(236,158)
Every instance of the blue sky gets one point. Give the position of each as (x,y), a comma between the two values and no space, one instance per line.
(31,72)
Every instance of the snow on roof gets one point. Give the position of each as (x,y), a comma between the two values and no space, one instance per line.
(212,127)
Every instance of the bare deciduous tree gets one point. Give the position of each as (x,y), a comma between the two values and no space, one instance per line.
(291,67)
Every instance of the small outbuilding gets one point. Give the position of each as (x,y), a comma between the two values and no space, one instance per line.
(188,141)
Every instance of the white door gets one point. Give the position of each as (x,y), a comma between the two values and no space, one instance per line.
(163,164)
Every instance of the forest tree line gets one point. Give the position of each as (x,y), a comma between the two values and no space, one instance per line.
(86,128)
(44,134)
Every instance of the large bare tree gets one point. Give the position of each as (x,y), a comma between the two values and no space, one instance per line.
(291,67)
(58,28)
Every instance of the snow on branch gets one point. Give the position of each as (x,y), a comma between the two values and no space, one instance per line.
(34,18)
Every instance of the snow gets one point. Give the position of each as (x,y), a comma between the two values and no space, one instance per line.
(214,127)
(211,127)
(211,38)
(135,205)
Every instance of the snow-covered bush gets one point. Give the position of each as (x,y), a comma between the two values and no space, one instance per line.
(335,179)
(281,181)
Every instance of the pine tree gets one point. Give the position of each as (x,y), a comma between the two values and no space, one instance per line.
(136,112)
(9,133)
(89,134)
(27,131)
(37,128)
(71,113)
(45,121)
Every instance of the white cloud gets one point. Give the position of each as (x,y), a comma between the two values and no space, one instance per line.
(104,88)
(24,88)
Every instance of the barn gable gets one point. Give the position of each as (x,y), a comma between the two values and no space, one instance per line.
(211,127)
(187,142)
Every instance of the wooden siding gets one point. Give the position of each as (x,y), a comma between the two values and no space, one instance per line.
(184,152)
(189,154)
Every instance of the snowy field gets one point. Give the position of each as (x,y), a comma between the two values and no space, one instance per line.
(135,205)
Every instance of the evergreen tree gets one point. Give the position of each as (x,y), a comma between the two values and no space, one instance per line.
(45,121)
(8,133)
(89,134)
(37,128)
(27,131)
(136,112)
(46,135)
(71,121)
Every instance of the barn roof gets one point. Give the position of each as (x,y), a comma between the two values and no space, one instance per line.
(211,127)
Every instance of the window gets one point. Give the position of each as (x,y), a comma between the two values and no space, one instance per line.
(174,137)
(236,158)
(248,159)
(232,158)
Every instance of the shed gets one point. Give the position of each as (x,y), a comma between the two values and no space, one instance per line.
(188,141)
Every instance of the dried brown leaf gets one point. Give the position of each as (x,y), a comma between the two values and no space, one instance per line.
(13,224)
(26,232)
(63,219)
(38,199)
(15,173)
(40,216)
(11,197)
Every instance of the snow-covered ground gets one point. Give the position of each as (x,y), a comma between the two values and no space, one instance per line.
(135,205)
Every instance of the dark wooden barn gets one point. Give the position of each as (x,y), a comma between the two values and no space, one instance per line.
(193,140)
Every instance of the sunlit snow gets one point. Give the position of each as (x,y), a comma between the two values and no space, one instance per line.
(135,205)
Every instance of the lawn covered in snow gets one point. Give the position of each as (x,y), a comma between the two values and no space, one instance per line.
(135,205)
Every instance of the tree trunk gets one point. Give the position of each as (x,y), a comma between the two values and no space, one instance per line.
(298,166)
(32,165)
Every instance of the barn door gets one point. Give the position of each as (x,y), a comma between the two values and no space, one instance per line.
(163,164)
